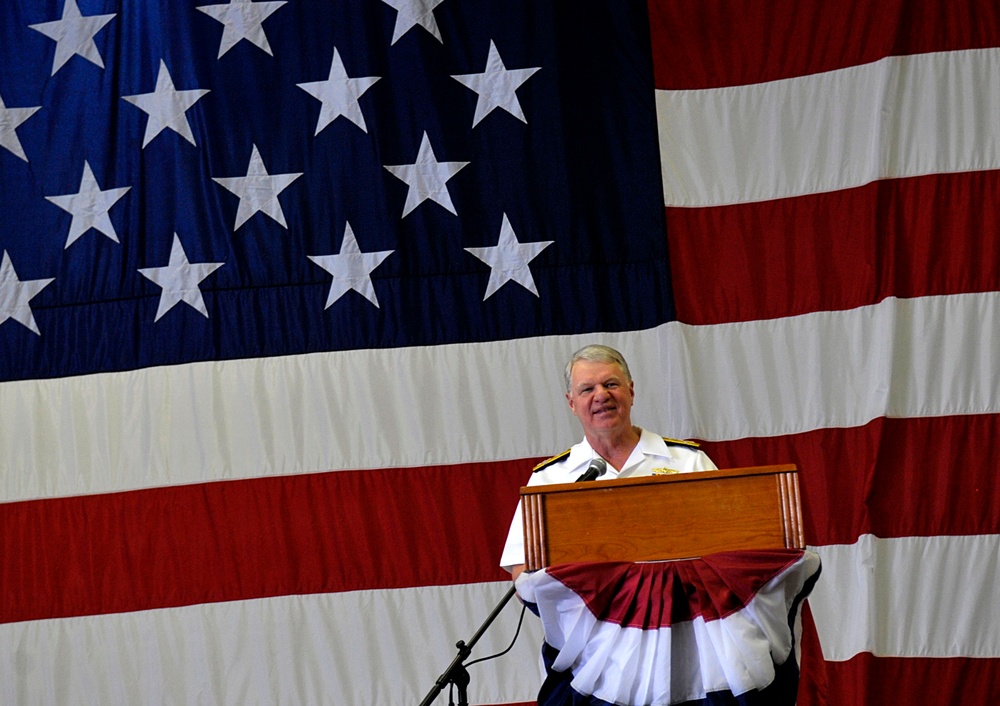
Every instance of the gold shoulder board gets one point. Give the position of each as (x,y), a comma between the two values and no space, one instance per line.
(683,442)
(549,461)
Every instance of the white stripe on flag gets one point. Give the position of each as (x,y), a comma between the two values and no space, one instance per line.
(926,357)
(923,357)
(901,116)
(909,597)
(368,647)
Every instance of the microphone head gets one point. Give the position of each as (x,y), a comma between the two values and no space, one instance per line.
(596,468)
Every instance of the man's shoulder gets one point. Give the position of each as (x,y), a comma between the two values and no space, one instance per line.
(651,442)
(680,454)
(681,442)
(547,463)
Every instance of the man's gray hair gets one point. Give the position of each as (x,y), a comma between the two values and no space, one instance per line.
(596,353)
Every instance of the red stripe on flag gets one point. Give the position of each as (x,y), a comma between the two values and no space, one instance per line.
(890,478)
(441,525)
(867,679)
(715,43)
(827,251)
(183,545)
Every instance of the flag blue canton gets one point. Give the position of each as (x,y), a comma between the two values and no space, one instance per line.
(578,169)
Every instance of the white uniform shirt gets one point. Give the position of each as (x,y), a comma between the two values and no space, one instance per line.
(650,456)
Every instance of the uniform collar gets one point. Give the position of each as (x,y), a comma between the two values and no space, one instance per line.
(580,455)
(653,444)
(649,444)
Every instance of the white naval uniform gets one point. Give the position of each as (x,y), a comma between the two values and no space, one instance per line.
(653,454)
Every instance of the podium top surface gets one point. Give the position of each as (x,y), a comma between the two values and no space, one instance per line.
(657,479)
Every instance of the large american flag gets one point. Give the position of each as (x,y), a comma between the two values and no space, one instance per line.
(286,288)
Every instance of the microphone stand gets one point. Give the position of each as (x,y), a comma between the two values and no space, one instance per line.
(456,673)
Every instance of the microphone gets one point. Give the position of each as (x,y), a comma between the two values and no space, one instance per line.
(597,468)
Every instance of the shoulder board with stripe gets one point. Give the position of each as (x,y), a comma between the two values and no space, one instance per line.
(549,461)
(682,442)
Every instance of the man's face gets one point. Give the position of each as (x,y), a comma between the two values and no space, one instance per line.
(600,396)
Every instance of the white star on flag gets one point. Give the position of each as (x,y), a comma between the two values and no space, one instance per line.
(179,280)
(339,94)
(496,86)
(15,295)
(351,269)
(242,19)
(89,207)
(167,107)
(411,13)
(10,118)
(427,178)
(74,35)
(258,190)
(509,260)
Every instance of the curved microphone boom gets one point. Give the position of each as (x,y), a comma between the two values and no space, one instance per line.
(597,468)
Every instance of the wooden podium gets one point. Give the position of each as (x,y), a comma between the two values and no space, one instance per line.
(652,518)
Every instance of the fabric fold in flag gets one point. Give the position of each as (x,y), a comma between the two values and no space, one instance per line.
(693,631)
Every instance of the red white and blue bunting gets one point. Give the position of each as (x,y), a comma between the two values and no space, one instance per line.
(719,629)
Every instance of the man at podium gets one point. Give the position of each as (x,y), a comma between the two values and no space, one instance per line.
(706,613)
(600,392)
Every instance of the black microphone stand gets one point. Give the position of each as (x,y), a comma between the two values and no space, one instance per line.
(456,673)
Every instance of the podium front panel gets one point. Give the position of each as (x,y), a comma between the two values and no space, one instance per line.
(662,517)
